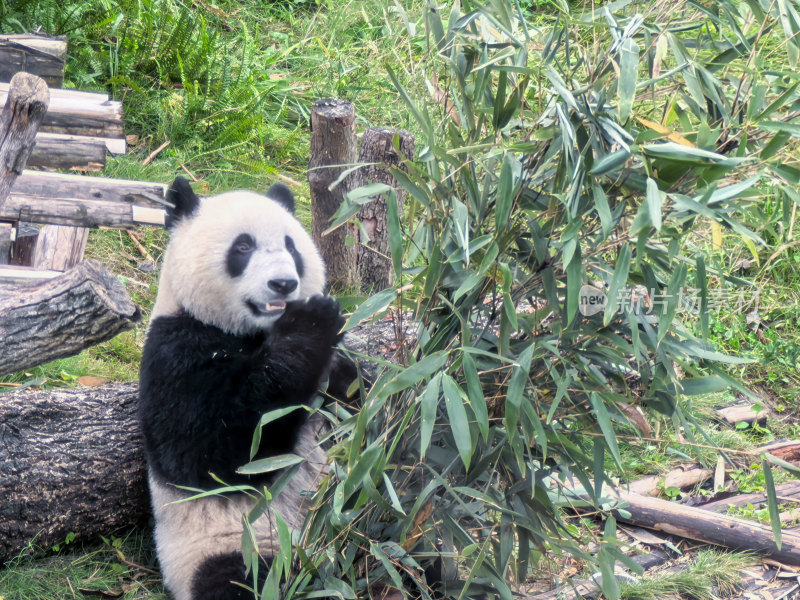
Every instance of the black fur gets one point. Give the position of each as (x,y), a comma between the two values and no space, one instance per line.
(239,254)
(298,259)
(213,580)
(183,202)
(282,195)
(202,391)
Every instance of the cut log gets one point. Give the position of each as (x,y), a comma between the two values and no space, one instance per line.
(71,461)
(680,477)
(79,213)
(704,526)
(60,317)
(378,154)
(36,54)
(786,492)
(56,185)
(742,414)
(333,150)
(25,107)
(23,274)
(70,152)
(81,114)
(82,201)
(62,95)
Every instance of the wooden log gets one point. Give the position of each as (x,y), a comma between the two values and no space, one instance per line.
(680,477)
(60,317)
(36,54)
(5,243)
(25,107)
(742,413)
(112,145)
(24,245)
(69,152)
(79,212)
(333,150)
(78,114)
(66,186)
(786,492)
(788,450)
(24,274)
(378,154)
(71,461)
(704,526)
(60,94)
(59,248)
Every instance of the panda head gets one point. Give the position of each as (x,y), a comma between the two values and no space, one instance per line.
(235,260)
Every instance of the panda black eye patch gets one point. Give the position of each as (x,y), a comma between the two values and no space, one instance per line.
(239,254)
(298,260)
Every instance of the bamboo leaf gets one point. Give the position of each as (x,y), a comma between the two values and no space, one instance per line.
(628,69)
(457,415)
(772,502)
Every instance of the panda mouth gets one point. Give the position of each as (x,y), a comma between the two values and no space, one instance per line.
(266,310)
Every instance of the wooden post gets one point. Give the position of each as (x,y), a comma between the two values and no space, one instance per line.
(5,243)
(333,150)
(378,154)
(59,248)
(24,110)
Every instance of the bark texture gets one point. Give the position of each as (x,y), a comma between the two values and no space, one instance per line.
(37,54)
(68,152)
(61,316)
(379,154)
(81,113)
(25,107)
(70,461)
(706,526)
(333,150)
(59,248)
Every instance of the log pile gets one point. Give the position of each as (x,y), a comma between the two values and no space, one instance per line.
(45,219)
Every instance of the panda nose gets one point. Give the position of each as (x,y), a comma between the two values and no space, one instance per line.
(283,286)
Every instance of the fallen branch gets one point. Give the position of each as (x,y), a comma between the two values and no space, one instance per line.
(704,526)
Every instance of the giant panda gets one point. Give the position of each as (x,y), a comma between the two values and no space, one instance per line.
(239,328)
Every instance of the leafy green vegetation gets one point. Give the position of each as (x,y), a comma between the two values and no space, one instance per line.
(639,153)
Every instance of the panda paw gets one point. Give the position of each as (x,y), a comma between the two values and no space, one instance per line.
(318,318)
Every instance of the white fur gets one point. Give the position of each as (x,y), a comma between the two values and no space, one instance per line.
(194,278)
(190,532)
(193,274)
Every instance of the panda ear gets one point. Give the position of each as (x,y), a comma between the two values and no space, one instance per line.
(184,202)
(282,195)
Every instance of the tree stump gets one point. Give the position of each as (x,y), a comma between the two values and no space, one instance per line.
(61,316)
(26,105)
(378,154)
(333,150)
(71,461)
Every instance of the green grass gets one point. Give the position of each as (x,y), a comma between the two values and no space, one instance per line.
(123,568)
(709,574)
